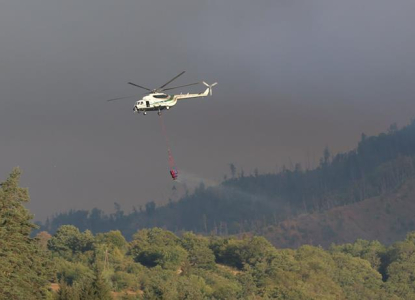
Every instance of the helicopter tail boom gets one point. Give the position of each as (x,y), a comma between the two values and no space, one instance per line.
(207,92)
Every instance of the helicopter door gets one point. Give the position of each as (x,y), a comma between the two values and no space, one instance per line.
(148,103)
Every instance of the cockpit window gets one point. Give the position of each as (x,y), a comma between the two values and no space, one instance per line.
(160,96)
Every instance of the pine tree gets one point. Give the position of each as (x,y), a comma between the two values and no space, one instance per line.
(24,266)
(96,289)
(102,290)
(87,291)
(66,292)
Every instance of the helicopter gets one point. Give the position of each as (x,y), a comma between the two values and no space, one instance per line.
(157,100)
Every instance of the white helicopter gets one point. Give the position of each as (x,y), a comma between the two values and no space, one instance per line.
(156,100)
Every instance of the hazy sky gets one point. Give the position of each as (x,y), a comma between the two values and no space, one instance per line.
(294,76)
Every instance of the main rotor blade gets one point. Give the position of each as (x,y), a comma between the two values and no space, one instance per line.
(171,80)
(176,87)
(121,98)
(139,86)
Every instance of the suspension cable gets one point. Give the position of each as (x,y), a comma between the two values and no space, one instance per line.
(170,156)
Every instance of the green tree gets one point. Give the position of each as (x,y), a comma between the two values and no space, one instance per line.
(102,290)
(43,238)
(66,292)
(237,253)
(96,288)
(199,253)
(113,238)
(69,240)
(224,286)
(400,267)
(156,246)
(357,278)
(371,251)
(24,267)
(72,272)
(193,288)
(160,284)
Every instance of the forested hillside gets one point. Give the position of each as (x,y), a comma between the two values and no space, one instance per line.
(157,264)
(379,164)
(386,218)
(250,203)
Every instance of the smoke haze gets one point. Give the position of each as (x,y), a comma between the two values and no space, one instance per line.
(293,77)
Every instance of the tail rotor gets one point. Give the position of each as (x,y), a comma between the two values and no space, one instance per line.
(210,86)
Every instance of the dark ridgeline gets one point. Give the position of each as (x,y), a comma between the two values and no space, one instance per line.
(247,203)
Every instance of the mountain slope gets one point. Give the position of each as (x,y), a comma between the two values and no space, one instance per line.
(377,167)
(385,218)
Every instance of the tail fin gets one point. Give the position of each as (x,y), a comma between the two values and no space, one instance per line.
(210,86)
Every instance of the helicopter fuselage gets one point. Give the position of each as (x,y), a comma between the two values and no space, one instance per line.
(155,102)
(161,101)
